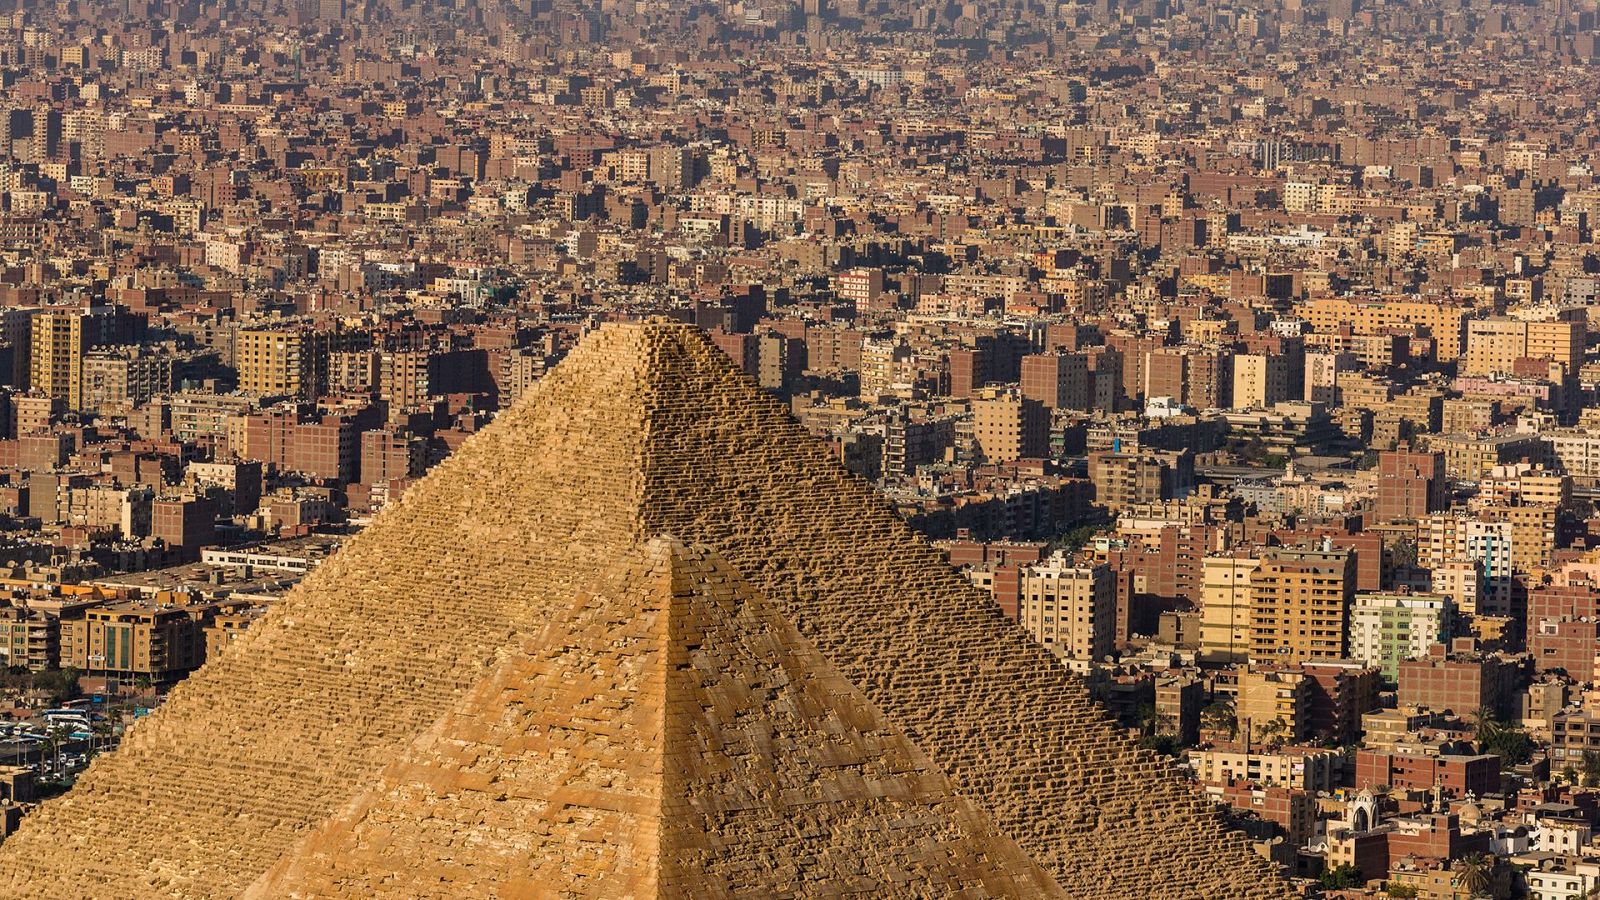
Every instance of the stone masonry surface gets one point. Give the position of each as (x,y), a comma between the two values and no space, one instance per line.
(669,736)
(644,430)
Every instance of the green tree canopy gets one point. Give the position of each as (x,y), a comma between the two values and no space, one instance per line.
(1341,877)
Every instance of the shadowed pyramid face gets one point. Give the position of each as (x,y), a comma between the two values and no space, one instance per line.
(670,735)
(644,430)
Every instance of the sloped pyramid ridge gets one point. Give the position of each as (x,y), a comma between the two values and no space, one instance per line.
(669,736)
(645,429)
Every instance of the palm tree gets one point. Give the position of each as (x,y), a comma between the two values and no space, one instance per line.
(1473,874)
(1486,724)
(54,737)
(1148,718)
(1274,731)
(101,730)
(1219,717)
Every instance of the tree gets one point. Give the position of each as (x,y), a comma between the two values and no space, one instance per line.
(1148,718)
(100,732)
(1473,874)
(1591,768)
(1219,717)
(1505,740)
(54,737)
(1399,891)
(1274,731)
(1485,722)
(1164,744)
(60,684)
(1342,877)
(1403,553)
(1512,745)
(1074,540)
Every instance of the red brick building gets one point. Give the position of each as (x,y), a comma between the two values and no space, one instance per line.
(1436,836)
(1461,682)
(1287,812)
(1410,485)
(1341,692)
(1058,380)
(967,374)
(187,523)
(1565,644)
(1456,774)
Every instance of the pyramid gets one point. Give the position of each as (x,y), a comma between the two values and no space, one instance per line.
(668,736)
(645,429)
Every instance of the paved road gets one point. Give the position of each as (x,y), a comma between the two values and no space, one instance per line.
(16,753)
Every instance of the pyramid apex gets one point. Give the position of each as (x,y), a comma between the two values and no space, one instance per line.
(664,544)
(665,553)
(660,323)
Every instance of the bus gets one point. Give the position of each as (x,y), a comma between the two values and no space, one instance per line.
(67,716)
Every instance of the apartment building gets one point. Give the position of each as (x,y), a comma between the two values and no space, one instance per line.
(1300,605)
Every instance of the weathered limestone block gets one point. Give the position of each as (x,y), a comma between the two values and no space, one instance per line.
(650,784)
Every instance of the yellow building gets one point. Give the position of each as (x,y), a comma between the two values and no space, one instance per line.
(287,361)
(1274,706)
(1444,322)
(60,340)
(1494,345)
(57,355)
(1300,605)
(1225,608)
(1259,380)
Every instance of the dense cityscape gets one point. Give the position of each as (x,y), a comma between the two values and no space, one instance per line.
(1244,353)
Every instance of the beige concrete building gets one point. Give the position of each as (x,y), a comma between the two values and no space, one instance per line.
(1495,345)
(29,638)
(1008,426)
(1382,729)
(124,377)
(1259,380)
(1577,453)
(1444,322)
(1072,610)
(1274,706)
(1473,457)
(1447,538)
(160,640)
(1461,580)
(1140,478)
(1307,768)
